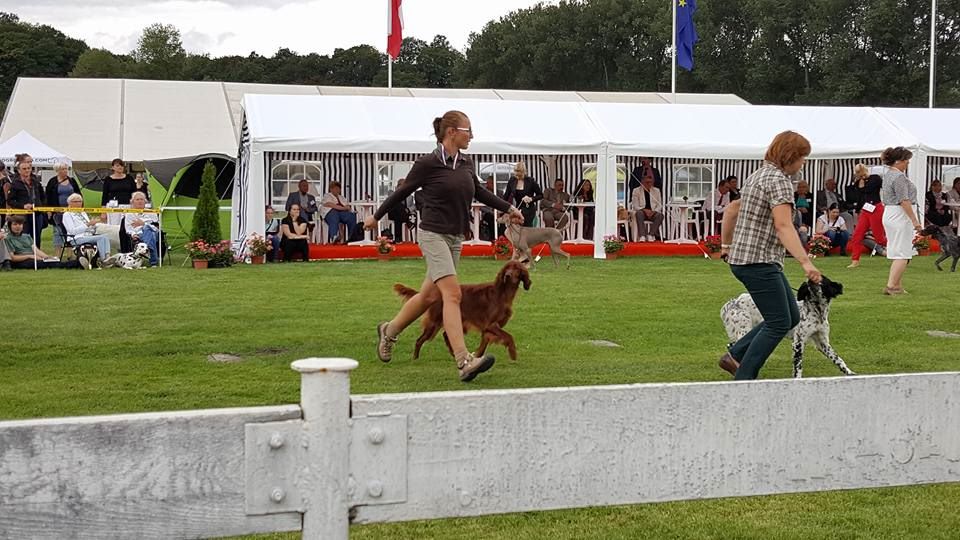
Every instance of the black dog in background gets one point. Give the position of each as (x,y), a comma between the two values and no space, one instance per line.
(949,245)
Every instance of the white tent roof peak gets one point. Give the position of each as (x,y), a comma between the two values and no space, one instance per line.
(25,143)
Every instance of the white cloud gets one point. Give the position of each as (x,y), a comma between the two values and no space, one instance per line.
(228,27)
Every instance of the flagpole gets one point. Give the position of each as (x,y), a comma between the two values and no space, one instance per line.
(933,46)
(389,75)
(673,55)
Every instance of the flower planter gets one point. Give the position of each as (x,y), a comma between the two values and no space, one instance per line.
(923,252)
(257,259)
(501,256)
(612,256)
(714,255)
(383,256)
(199,265)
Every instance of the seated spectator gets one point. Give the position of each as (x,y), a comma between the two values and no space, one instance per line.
(23,253)
(803,202)
(936,212)
(306,201)
(554,206)
(832,225)
(487,223)
(953,196)
(648,206)
(715,204)
(4,189)
(4,252)
(733,183)
(83,229)
(335,210)
(584,194)
(143,226)
(293,230)
(402,215)
(271,231)
(828,196)
(802,230)
(59,188)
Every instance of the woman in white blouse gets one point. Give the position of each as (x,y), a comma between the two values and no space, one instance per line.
(83,229)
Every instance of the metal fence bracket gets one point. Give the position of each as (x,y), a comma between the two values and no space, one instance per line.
(378,460)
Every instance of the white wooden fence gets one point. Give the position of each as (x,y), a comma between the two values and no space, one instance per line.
(336,459)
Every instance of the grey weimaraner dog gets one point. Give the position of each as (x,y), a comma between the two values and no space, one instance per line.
(524,238)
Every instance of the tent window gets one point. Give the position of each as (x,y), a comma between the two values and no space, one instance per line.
(501,174)
(695,182)
(590,173)
(388,172)
(285,175)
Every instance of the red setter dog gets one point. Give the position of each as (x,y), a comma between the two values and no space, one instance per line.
(484,307)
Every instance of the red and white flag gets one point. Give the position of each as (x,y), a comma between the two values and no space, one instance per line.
(395,29)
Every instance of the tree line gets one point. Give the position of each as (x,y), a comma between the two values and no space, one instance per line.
(811,52)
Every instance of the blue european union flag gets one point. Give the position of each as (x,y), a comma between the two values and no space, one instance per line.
(686,33)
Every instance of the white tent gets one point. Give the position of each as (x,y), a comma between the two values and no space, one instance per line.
(742,133)
(43,156)
(612,133)
(936,129)
(284,125)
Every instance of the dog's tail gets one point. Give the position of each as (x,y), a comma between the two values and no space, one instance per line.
(404,291)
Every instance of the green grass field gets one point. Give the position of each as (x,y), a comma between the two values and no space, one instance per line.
(80,343)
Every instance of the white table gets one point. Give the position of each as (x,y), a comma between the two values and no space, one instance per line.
(364,209)
(477,216)
(680,212)
(579,239)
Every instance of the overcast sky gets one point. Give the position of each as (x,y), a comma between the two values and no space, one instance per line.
(227,27)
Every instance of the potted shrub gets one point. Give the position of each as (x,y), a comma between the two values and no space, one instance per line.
(819,245)
(922,245)
(385,247)
(612,245)
(712,244)
(200,253)
(258,247)
(502,248)
(223,255)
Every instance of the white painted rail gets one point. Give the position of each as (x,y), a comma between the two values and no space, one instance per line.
(334,459)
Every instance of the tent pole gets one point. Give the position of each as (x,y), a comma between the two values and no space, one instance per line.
(933,48)
(673,56)
(33,217)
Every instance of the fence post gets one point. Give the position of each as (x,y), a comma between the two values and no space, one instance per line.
(324,470)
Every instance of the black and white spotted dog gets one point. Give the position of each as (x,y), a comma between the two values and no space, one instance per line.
(949,245)
(130,261)
(740,315)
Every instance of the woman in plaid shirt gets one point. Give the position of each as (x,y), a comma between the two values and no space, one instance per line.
(756,229)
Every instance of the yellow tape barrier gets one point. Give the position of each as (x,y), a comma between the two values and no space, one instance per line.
(14,211)
(97,210)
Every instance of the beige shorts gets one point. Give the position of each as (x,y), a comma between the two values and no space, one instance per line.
(442,253)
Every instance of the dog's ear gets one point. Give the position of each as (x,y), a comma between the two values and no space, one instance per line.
(831,289)
(803,292)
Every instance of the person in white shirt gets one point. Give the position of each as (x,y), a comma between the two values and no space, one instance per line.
(715,204)
(335,210)
(83,229)
(648,204)
(833,226)
(953,196)
(143,226)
